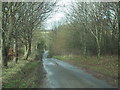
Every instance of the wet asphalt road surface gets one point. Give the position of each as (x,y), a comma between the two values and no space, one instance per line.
(60,74)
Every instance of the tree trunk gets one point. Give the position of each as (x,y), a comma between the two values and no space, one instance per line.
(85,49)
(5,49)
(1,33)
(4,45)
(119,32)
(25,50)
(29,51)
(5,54)
(98,47)
(16,50)
(84,39)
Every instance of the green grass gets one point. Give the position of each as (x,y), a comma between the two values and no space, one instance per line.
(105,65)
(21,75)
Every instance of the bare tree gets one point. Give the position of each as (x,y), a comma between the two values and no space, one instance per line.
(93,27)
(19,21)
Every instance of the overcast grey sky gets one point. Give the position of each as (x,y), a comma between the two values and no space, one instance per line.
(59,15)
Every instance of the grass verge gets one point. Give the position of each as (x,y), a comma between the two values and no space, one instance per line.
(21,75)
(105,67)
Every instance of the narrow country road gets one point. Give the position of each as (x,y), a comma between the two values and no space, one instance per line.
(63,75)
